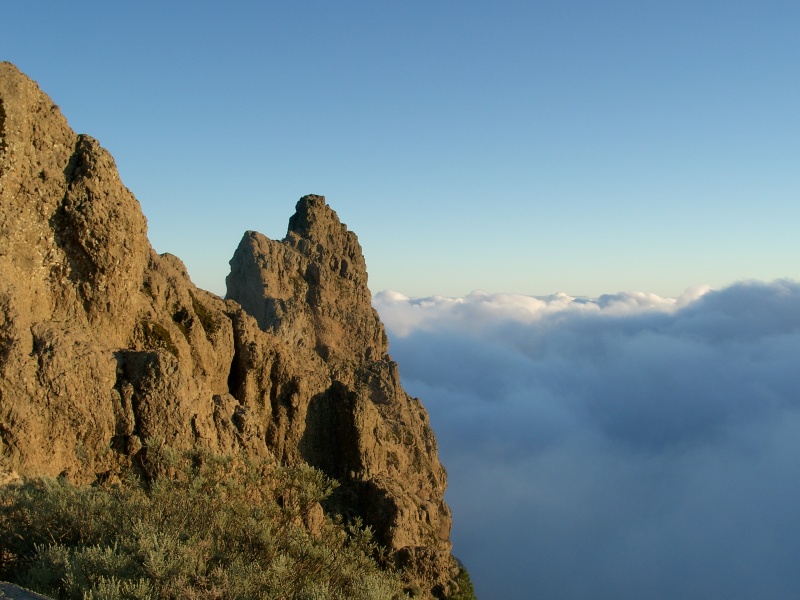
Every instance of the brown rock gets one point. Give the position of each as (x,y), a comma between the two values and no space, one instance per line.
(357,424)
(104,344)
(15,592)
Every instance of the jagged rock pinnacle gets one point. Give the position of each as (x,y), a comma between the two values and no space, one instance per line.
(310,288)
(315,230)
(105,344)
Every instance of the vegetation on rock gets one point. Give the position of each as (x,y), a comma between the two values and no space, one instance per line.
(466,591)
(194,525)
(206,318)
(100,349)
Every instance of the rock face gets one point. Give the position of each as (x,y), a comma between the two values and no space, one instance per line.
(104,343)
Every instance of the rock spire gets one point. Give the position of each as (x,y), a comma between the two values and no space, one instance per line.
(104,344)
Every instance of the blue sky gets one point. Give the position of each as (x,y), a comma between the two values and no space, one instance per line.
(525,147)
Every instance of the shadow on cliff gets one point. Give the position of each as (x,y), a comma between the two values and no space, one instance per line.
(330,443)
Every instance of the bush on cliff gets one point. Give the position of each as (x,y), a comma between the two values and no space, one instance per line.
(195,526)
(465,591)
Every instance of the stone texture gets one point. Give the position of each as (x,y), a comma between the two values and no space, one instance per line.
(336,400)
(15,592)
(104,344)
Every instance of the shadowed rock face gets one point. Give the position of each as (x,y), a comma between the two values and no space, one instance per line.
(311,289)
(350,416)
(104,343)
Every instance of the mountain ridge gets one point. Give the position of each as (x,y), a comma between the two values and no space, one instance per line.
(104,344)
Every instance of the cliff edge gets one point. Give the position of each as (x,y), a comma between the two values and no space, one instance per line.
(104,344)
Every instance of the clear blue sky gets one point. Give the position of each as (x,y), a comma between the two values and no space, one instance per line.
(528,147)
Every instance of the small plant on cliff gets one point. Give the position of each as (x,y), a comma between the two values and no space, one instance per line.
(156,336)
(465,589)
(207,320)
(198,526)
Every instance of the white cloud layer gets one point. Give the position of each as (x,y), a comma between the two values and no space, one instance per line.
(628,446)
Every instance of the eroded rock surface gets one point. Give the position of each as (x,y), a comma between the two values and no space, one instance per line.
(104,343)
(336,400)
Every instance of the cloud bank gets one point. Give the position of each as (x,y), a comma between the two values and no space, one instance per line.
(628,446)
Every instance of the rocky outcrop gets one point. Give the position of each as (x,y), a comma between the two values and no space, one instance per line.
(104,344)
(15,592)
(309,293)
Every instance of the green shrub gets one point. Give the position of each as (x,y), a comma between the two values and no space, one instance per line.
(156,336)
(207,320)
(196,525)
(465,589)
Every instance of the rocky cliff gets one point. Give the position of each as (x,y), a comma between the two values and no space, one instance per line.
(104,344)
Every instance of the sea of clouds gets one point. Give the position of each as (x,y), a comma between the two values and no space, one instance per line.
(628,446)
